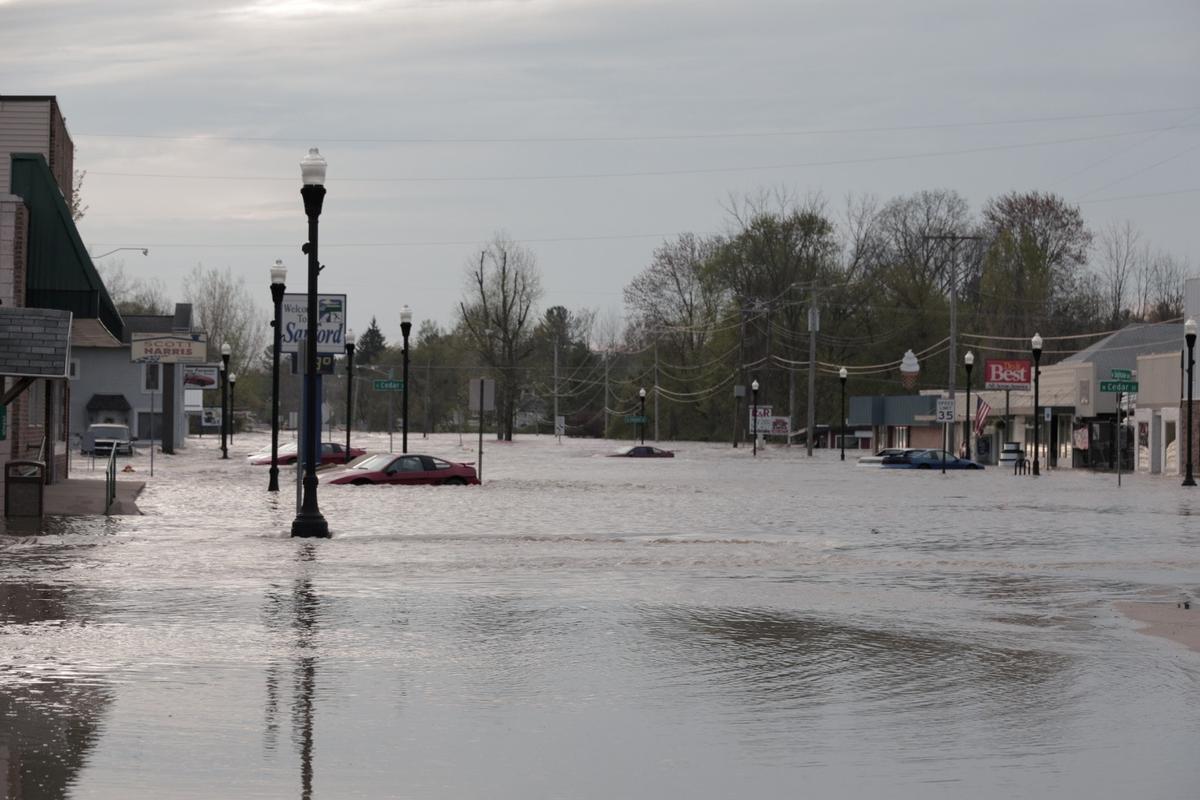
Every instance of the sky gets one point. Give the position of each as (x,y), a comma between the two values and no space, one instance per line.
(588,130)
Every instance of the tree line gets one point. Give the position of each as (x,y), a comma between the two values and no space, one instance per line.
(711,312)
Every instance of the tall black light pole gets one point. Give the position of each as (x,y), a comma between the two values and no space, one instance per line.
(226,351)
(405,330)
(349,389)
(1036,343)
(232,387)
(842,375)
(754,415)
(310,522)
(642,424)
(1189,333)
(968,362)
(278,287)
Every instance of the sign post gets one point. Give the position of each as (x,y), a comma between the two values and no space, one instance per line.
(1122,383)
(945,415)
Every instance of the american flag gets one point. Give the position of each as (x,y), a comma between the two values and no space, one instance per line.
(982,409)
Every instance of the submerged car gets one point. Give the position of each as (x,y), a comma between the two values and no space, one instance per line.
(102,438)
(928,459)
(877,459)
(385,468)
(642,451)
(331,453)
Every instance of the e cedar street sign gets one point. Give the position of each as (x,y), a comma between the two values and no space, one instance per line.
(1124,387)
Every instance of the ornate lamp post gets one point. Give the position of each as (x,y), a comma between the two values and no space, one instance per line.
(405,330)
(310,522)
(278,287)
(842,375)
(968,362)
(232,386)
(226,351)
(349,389)
(642,424)
(1036,344)
(1189,334)
(754,415)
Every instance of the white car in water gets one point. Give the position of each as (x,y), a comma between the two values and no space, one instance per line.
(877,459)
(105,436)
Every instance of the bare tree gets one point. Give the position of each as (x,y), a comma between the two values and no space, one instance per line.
(134,295)
(675,298)
(1120,254)
(78,209)
(1167,277)
(224,309)
(502,289)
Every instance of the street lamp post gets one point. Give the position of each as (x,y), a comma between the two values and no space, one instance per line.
(1036,344)
(349,389)
(642,413)
(278,287)
(842,375)
(310,522)
(405,330)
(968,362)
(1189,333)
(232,387)
(226,351)
(754,415)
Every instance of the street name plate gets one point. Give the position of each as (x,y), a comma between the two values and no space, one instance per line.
(388,386)
(634,419)
(1125,387)
(1122,375)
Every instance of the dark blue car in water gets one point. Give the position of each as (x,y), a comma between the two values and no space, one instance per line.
(928,459)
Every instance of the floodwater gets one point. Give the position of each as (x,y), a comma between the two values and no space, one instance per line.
(710,626)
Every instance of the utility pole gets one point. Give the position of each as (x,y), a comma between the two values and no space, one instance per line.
(656,391)
(428,382)
(814,326)
(556,436)
(952,367)
(606,394)
(737,399)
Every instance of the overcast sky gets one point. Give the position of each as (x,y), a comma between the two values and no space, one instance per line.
(588,129)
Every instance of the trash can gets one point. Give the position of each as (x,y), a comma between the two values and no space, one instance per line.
(24,482)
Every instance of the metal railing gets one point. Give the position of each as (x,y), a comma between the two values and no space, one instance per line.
(110,480)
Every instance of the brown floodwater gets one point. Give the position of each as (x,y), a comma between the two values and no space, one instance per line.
(587,627)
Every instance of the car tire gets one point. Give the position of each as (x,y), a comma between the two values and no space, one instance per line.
(455,481)
(922,466)
(360,482)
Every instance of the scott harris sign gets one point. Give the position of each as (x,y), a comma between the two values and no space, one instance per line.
(331,323)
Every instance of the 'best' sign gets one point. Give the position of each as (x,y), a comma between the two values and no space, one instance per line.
(1005,373)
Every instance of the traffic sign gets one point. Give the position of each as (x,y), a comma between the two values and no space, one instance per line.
(1122,375)
(945,409)
(388,386)
(635,419)
(1125,387)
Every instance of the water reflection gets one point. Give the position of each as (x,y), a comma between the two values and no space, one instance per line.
(51,723)
(295,613)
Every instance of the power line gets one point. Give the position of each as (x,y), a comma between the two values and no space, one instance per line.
(648,173)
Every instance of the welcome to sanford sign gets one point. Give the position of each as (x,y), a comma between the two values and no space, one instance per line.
(1001,373)
(331,323)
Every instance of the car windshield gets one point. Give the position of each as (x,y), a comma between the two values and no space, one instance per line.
(110,431)
(373,463)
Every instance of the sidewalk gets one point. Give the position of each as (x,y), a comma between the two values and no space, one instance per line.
(85,497)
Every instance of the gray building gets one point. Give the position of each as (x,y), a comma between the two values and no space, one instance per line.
(107,386)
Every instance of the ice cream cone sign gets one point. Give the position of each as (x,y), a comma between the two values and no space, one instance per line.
(910,368)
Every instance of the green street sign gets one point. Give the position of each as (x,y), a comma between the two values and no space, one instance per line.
(389,386)
(634,419)
(1122,375)
(1125,387)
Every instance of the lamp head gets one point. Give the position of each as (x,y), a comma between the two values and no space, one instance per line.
(312,168)
(754,385)
(232,378)
(350,341)
(642,393)
(406,320)
(278,273)
(226,350)
(1189,330)
(843,374)
(1036,343)
(969,359)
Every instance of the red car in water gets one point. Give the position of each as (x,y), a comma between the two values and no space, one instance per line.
(331,453)
(387,468)
(642,451)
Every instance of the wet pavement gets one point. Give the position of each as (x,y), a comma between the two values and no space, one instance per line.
(586,627)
